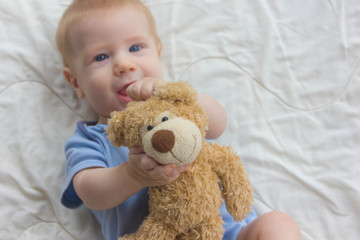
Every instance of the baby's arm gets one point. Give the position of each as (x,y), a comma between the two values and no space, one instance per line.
(216,114)
(105,188)
(144,88)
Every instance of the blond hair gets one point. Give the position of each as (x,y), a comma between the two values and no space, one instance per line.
(83,9)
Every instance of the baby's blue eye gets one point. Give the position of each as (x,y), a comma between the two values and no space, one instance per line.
(135,48)
(101,57)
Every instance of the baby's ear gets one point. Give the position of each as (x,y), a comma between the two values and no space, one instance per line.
(73,82)
(115,127)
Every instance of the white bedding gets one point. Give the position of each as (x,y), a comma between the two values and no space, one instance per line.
(287,73)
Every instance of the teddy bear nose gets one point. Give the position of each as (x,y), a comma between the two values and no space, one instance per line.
(163,141)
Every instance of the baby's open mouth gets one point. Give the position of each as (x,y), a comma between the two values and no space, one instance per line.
(122,91)
(122,94)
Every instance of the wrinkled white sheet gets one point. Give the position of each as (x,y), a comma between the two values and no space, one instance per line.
(287,73)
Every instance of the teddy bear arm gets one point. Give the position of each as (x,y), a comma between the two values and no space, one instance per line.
(236,187)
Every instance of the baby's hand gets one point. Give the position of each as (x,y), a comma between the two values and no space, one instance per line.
(148,172)
(144,88)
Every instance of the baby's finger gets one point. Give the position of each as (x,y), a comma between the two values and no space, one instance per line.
(163,171)
(146,90)
(133,91)
(136,150)
(148,163)
(182,168)
(175,173)
(169,172)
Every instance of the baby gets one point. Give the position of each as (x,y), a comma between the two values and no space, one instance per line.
(112,55)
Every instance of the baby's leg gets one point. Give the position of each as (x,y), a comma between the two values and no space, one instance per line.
(271,226)
(151,229)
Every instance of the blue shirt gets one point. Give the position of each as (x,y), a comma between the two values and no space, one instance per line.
(89,147)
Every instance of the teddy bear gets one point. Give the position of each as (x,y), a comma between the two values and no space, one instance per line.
(170,127)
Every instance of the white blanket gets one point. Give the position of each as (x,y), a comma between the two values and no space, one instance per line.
(287,73)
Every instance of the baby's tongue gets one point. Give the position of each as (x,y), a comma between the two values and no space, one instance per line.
(122,92)
(124,96)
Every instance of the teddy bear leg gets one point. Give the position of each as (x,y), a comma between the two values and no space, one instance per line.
(210,229)
(151,229)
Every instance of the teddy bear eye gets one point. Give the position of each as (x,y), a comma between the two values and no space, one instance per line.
(164,119)
(149,127)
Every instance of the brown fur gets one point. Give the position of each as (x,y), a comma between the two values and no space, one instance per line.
(187,208)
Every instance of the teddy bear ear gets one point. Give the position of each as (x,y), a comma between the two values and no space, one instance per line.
(115,127)
(177,92)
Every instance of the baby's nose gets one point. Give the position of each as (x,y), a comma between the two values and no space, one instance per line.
(163,141)
(123,66)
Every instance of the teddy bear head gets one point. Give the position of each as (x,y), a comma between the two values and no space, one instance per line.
(170,126)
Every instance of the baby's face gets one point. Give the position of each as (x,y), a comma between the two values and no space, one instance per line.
(111,52)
